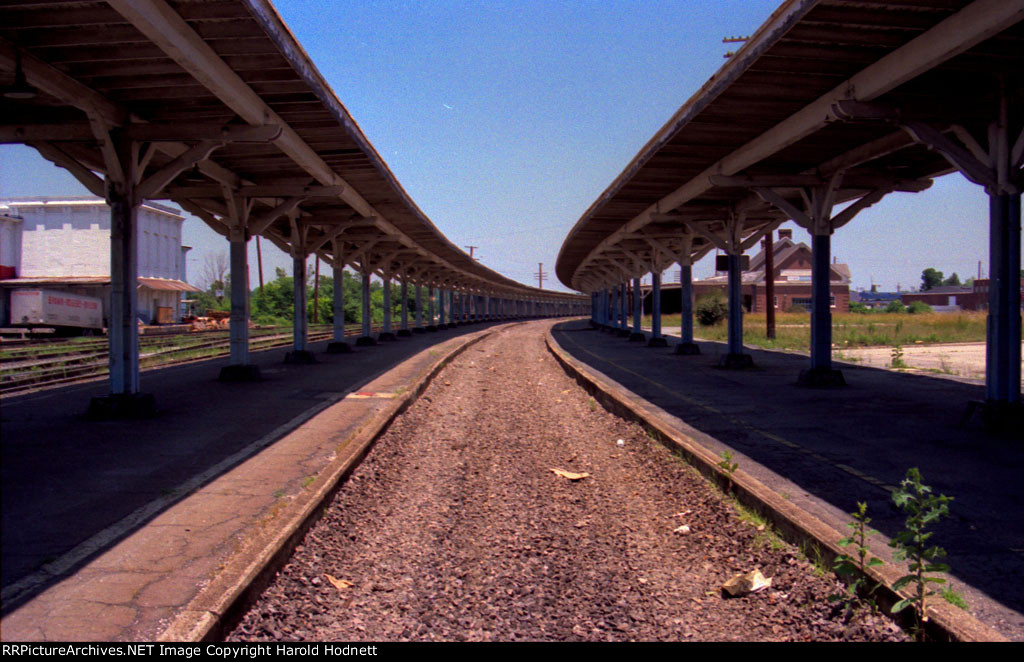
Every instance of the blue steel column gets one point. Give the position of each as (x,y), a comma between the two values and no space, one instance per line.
(338,344)
(821,315)
(300,353)
(735,359)
(366,339)
(821,372)
(431,325)
(419,309)
(1002,361)
(239,300)
(386,333)
(122,329)
(657,340)
(623,311)
(404,332)
(686,345)
(638,312)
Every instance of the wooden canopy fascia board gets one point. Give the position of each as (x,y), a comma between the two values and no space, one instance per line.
(952,36)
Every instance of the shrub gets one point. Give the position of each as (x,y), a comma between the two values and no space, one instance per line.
(796,308)
(858,307)
(895,306)
(918,307)
(711,309)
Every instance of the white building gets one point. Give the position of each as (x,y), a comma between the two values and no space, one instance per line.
(64,244)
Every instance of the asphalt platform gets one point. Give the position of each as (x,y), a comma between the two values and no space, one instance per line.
(134,530)
(825,450)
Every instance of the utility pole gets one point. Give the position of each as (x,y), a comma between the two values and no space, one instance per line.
(733,40)
(471,249)
(540,275)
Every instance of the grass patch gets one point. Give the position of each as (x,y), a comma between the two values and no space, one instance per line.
(793,330)
(954,598)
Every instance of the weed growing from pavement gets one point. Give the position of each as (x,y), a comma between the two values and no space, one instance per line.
(954,598)
(847,566)
(592,403)
(729,467)
(896,360)
(307,481)
(923,508)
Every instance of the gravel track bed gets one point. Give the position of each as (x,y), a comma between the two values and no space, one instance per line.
(455,528)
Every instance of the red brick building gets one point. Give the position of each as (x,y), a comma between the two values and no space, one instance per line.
(792,279)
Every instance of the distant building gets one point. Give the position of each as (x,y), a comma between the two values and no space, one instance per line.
(956,297)
(791,278)
(64,245)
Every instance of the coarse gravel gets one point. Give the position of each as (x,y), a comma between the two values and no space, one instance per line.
(455,528)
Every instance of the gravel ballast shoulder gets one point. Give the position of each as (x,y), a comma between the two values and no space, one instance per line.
(456,528)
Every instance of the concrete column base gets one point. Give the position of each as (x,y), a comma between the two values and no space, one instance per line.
(365,341)
(419,329)
(431,328)
(821,378)
(339,347)
(121,406)
(442,327)
(1005,419)
(240,373)
(623,333)
(657,342)
(386,336)
(636,336)
(404,333)
(300,357)
(737,362)
(688,349)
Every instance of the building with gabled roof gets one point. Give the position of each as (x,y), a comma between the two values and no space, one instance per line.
(792,269)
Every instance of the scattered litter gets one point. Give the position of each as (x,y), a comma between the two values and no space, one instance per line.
(683,513)
(565,392)
(568,474)
(752,582)
(340,584)
(683,529)
(620,443)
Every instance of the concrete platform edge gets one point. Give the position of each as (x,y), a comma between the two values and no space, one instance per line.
(946,622)
(247,574)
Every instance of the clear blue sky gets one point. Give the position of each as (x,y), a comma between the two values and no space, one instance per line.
(505,120)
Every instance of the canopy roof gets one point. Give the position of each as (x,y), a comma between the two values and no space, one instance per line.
(834,93)
(225,85)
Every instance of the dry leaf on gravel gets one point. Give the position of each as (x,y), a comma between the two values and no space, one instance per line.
(568,474)
(340,584)
(752,582)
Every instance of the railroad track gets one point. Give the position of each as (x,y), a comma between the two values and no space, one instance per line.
(56,363)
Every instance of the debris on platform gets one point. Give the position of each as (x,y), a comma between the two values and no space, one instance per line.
(568,474)
(620,443)
(340,584)
(741,585)
(682,529)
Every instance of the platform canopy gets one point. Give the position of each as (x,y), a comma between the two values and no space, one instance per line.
(213,104)
(829,101)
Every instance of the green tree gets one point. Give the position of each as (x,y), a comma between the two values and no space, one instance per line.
(930,278)
(952,280)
